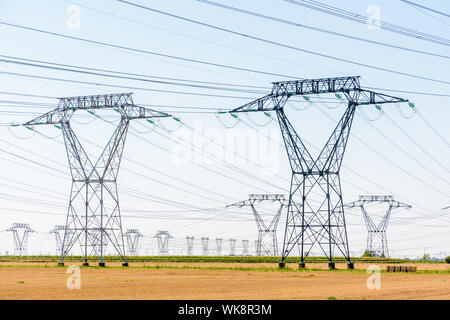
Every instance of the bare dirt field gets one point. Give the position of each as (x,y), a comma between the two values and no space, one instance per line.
(219,281)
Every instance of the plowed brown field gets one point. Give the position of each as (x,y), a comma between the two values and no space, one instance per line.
(171,281)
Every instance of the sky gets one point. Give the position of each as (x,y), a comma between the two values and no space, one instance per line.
(179,176)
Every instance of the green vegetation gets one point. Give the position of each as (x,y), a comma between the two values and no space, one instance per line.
(367,253)
(331,298)
(447,259)
(198,259)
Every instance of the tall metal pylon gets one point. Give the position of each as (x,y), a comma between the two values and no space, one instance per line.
(232,246)
(205,246)
(163,242)
(265,248)
(377,244)
(59,231)
(132,236)
(219,246)
(189,245)
(245,248)
(93,217)
(316,222)
(20,235)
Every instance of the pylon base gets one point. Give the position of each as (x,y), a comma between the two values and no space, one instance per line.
(85,264)
(125,264)
(301,265)
(350,265)
(331,265)
(281,265)
(101,264)
(60,264)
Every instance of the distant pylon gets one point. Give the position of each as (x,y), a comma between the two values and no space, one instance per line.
(265,248)
(257,246)
(219,246)
(59,231)
(132,236)
(205,246)
(245,248)
(20,234)
(232,246)
(163,242)
(189,245)
(377,244)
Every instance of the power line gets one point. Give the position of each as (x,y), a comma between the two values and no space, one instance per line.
(285,45)
(118,86)
(337,12)
(143,51)
(59,67)
(300,25)
(426,8)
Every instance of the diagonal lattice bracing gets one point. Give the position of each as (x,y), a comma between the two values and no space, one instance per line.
(316,223)
(377,244)
(267,243)
(93,216)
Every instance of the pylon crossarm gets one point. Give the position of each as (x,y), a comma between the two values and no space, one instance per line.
(348,86)
(368,97)
(95,102)
(315,86)
(54,117)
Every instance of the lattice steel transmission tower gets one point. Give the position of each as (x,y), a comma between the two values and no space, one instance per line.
(377,244)
(93,217)
(59,231)
(219,246)
(310,222)
(163,242)
(205,246)
(245,248)
(132,236)
(232,246)
(265,248)
(20,235)
(189,245)
(257,246)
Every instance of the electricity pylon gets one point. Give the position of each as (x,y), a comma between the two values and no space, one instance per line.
(20,235)
(377,244)
(93,216)
(310,222)
(132,236)
(205,246)
(257,246)
(59,231)
(163,242)
(245,248)
(189,245)
(265,248)
(232,246)
(219,246)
